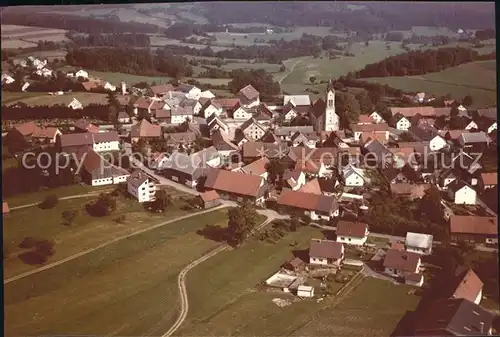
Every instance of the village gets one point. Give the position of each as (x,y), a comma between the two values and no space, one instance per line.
(343,178)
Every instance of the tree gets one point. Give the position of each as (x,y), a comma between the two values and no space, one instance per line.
(406,137)
(242,220)
(275,168)
(162,201)
(103,206)
(430,205)
(49,202)
(69,216)
(467,101)
(347,107)
(312,79)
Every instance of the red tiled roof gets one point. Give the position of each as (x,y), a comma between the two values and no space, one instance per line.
(369,127)
(209,196)
(312,187)
(424,111)
(26,129)
(352,229)
(489,178)
(249,92)
(145,129)
(257,167)
(325,249)
(163,88)
(49,132)
(365,119)
(471,224)
(234,182)
(401,260)
(307,201)
(227,103)
(469,286)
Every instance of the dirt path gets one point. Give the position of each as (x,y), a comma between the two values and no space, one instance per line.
(86,195)
(291,71)
(181,280)
(85,252)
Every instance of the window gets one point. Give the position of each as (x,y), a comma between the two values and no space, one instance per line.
(349,239)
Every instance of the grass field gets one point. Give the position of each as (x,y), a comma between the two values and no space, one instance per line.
(123,289)
(477,79)
(116,78)
(14,36)
(45,99)
(15,96)
(49,55)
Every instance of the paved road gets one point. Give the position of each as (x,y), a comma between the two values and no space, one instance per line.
(289,72)
(85,252)
(181,282)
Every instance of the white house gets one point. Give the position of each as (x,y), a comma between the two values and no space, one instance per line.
(7,79)
(141,186)
(471,125)
(108,86)
(215,123)
(82,73)
(180,114)
(326,253)
(352,233)
(461,193)
(402,123)
(44,72)
(315,206)
(305,291)
(437,143)
(207,94)
(241,113)
(376,117)
(25,86)
(210,108)
(403,264)
(419,243)
(295,179)
(289,112)
(75,104)
(97,172)
(353,176)
(249,96)
(253,130)
(105,141)
(190,91)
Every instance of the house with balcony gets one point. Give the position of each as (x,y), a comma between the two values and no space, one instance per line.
(141,186)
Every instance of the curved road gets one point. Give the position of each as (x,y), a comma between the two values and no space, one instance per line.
(291,71)
(181,281)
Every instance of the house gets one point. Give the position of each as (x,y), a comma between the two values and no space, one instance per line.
(248,187)
(462,193)
(123,117)
(453,317)
(82,125)
(365,119)
(209,199)
(180,114)
(419,243)
(466,285)
(144,130)
(326,253)
(446,177)
(405,174)
(352,233)
(80,73)
(183,168)
(377,117)
(150,106)
(25,86)
(163,116)
(207,94)
(190,91)
(411,191)
(474,141)
(46,135)
(184,139)
(5,208)
(263,115)
(157,160)
(162,89)
(488,180)
(424,133)
(403,264)
(423,111)
(294,264)
(311,167)
(297,100)
(228,104)
(240,113)
(270,137)
(354,176)
(294,179)
(223,144)
(97,171)
(401,122)
(289,112)
(479,229)
(315,206)
(380,128)
(422,97)
(141,186)
(23,131)
(304,139)
(209,108)
(286,132)
(249,96)
(7,79)
(252,129)
(215,123)
(98,142)
(258,168)
(75,104)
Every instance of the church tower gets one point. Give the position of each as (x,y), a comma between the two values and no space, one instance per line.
(331,121)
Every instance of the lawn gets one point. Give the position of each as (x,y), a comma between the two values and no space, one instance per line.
(86,232)
(117,78)
(123,289)
(85,98)
(10,96)
(477,79)
(31,34)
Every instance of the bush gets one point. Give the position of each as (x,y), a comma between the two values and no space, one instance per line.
(49,202)
(28,242)
(120,219)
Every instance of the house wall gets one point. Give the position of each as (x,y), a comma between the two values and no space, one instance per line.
(418,250)
(179,119)
(492,128)
(350,240)
(102,181)
(318,261)
(471,125)
(354,180)
(403,124)
(210,110)
(254,132)
(212,204)
(180,177)
(106,146)
(120,179)
(437,143)
(479,297)
(241,114)
(416,284)
(464,196)
(376,117)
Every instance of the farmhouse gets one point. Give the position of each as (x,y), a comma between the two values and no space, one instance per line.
(75,104)
(326,253)
(353,176)
(99,142)
(488,180)
(123,117)
(258,168)
(252,129)
(215,123)
(287,132)
(425,133)
(315,206)
(82,125)
(418,243)
(223,144)
(377,117)
(97,171)
(144,130)
(352,233)
(249,187)
(140,185)
(462,193)
(190,91)
(453,317)
(295,179)
(161,90)
(466,285)
(209,108)
(46,135)
(249,96)
(304,139)
(479,229)
(474,141)
(401,122)
(312,168)
(183,169)
(239,112)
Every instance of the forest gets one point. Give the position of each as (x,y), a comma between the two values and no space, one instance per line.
(422,62)
(110,40)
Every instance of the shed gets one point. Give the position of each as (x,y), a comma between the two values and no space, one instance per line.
(210,199)
(293,264)
(305,291)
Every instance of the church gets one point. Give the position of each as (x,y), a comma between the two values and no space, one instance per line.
(322,114)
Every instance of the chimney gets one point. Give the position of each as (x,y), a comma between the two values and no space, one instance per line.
(124,88)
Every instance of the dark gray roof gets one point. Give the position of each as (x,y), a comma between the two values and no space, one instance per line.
(475,137)
(423,132)
(290,130)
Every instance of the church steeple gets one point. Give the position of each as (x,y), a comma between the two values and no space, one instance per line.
(331,121)
(330,87)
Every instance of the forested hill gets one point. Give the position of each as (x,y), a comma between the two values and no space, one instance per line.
(422,62)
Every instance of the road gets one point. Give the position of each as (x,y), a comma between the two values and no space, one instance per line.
(288,73)
(88,251)
(86,195)
(181,281)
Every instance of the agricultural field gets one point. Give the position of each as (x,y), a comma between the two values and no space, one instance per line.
(12,35)
(123,289)
(117,78)
(85,98)
(157,41)
(16,96)
(213,81)
(49,55)
(477,79)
